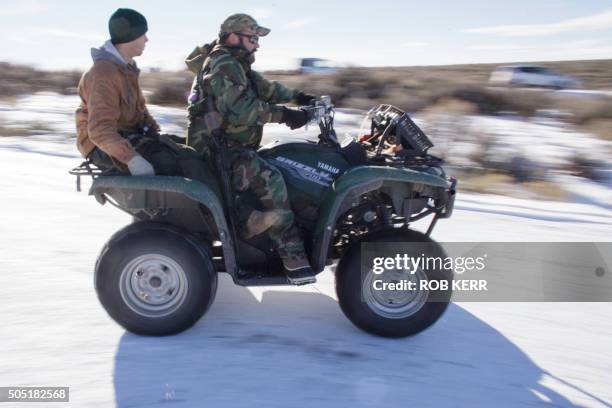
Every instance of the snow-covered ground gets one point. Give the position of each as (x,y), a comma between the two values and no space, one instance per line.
(278,346)
(542,147)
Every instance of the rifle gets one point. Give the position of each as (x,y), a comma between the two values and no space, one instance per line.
(217,145)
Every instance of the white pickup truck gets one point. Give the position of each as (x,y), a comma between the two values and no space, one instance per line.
(531,75)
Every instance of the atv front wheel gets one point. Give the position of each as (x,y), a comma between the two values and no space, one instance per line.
(396,313)
(154,279)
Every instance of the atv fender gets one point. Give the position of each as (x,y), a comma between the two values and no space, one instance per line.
(348,189)
(133,194)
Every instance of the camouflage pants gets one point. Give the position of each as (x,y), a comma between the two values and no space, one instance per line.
(167,158)
(250,173)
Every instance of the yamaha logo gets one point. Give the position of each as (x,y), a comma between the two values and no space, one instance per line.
(327,167)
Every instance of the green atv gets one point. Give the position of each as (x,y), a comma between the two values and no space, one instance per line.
(158,275)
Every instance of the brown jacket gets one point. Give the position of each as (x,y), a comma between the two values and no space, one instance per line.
(111,100)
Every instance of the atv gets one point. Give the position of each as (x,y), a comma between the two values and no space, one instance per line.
(158,275)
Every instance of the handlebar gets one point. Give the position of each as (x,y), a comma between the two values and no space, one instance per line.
(321,110)
(322,113)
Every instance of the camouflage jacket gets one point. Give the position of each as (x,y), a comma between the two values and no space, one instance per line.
(227,93)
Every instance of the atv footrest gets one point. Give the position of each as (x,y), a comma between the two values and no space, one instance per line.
(262,280)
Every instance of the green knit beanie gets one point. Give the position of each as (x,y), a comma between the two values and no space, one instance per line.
(126,25)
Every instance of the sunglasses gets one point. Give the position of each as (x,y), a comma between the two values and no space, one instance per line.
(253,38)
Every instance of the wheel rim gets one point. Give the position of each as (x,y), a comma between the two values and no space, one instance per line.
(395,304)
(153,285)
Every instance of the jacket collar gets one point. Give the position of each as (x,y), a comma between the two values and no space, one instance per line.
(242,55)
(109,52)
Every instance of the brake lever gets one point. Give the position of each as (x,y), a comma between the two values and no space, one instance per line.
(319,110)
(314,113)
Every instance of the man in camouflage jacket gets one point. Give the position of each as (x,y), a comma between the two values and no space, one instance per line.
(227,94)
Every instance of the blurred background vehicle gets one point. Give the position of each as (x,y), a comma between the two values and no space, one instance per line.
(317,66)
(532,75)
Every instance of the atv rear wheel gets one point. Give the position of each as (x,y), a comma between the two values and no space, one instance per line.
(397,313)
(154,279)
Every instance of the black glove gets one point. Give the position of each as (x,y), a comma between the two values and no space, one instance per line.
(304,99)
(294,118)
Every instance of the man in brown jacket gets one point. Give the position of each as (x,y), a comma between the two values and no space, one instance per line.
(114,127)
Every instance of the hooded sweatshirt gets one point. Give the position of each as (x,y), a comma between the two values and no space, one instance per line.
(111,101)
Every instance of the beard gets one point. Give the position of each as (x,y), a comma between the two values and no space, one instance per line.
(251,57)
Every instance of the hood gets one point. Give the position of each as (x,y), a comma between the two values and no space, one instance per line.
(107,52)
(195,60)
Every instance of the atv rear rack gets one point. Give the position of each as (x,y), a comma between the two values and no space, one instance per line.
(88,169)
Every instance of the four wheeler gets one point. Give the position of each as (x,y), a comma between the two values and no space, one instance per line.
(158,275)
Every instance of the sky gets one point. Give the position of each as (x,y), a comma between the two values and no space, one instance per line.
(58,34)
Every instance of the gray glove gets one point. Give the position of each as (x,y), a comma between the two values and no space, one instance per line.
(138,166)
